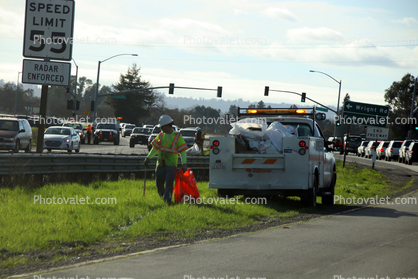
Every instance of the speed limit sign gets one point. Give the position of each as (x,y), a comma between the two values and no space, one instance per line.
(49,29)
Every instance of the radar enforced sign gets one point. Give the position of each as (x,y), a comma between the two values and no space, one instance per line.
(46,73)
(49,29)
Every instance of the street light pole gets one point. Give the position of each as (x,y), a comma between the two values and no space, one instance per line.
(339,94)
(17,89)
(96,94)
(75,88)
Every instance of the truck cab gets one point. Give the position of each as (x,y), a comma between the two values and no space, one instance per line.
(303,165)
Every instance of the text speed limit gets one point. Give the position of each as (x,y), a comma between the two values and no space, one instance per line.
(49,29)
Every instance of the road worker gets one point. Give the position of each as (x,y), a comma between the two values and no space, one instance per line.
(168,144)
(199,138)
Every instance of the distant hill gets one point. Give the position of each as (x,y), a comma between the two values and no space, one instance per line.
(223,105)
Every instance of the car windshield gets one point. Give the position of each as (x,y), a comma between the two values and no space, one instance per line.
(141,131)
(365,143)
(9,125)
(397,144)
(106,126)
(74,125)
(354,140)
(187,133)
(58,131)
(156,130)
(129,126)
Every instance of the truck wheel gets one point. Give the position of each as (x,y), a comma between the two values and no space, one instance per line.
(328,197)
(131,144)
(311,195)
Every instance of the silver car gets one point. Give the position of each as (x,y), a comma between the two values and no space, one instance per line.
(61,138)
(392,151)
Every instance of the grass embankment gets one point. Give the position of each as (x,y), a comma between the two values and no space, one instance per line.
(124,213)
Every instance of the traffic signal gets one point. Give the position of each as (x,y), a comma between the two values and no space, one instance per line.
(338,123)
(77,105)
(92,106)
(70,104)
(266,91)
(171,89)
(219,92)
(303,97)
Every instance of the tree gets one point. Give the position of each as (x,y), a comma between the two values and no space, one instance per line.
(261,104)
(136,106)
(399,98)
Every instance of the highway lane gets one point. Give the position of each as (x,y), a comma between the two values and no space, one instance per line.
(379,242)
(379,164)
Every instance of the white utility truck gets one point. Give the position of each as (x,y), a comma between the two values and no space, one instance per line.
(304,167)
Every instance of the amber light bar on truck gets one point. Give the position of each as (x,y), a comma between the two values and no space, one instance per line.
(277,111)
(274,111)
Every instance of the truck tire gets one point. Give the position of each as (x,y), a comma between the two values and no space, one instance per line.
(328,196)
(311,193)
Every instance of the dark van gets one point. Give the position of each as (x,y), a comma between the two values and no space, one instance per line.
(15,134)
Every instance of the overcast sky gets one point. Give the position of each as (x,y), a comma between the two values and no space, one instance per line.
(239,45)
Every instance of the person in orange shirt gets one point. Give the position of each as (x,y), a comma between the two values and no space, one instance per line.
(89,132)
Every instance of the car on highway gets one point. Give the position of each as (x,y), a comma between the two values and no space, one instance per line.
(78,127)
(411,155)
(61,138)
(351,144)
(139,136)
(148,126)
(369,148)
(15,134)
(188,135)
(127,129)
(361,148)
(392,151)
(381,148)
(402,150)
(106,132)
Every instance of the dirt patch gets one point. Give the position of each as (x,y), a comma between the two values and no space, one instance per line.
(70,253)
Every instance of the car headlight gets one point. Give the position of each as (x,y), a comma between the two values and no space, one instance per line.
(79,134)
(66,140)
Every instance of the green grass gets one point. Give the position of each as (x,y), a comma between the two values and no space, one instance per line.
(27,225)
(354,181)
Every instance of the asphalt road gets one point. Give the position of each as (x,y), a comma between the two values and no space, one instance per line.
(379,164)
(379,242)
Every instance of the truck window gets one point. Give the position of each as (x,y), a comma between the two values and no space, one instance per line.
(303,130)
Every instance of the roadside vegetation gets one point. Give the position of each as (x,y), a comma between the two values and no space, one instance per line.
(30,224)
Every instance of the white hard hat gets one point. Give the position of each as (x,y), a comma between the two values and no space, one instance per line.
(164,120)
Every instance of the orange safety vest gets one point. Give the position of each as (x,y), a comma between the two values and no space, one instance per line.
(202,138)
(89,129)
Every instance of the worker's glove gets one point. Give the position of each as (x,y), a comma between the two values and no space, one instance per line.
(184,167)
(146,161)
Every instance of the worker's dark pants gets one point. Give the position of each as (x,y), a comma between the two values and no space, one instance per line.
(200,145)
(88,137)
(165,174)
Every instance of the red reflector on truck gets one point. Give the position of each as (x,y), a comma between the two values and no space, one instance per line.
(302,143)
(216,143)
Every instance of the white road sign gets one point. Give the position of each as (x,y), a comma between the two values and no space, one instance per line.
(49,29)
(376,133)
(46,73)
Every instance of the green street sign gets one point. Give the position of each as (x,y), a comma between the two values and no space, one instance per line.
(366,109)
(321,109)
(365,114)
(118,97)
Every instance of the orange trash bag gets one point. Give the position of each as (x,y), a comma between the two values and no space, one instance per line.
(185,186)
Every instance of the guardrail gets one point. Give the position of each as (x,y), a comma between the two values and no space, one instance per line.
(40,169)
